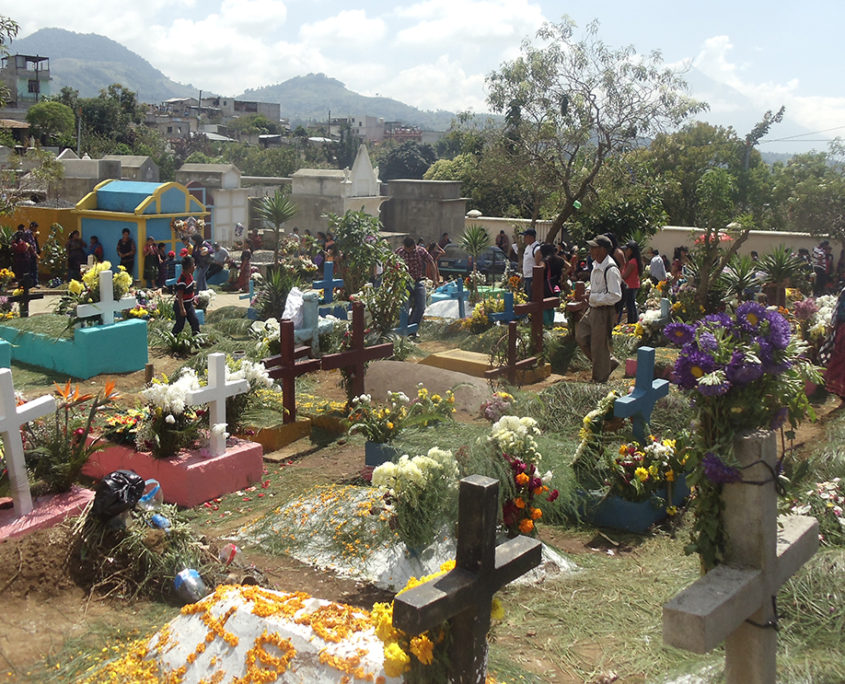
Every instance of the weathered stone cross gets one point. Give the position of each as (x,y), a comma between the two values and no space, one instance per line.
(354,360)
(639,404)
(328,283)
(215,394)
(735,602)
(108,306)
(286,367)
(463,596)
(512,366)
(535,308)
(12,417)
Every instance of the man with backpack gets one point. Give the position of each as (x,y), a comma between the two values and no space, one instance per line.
(594,330)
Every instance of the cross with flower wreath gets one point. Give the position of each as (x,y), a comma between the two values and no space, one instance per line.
(464,595)
(639,404)
(108,306)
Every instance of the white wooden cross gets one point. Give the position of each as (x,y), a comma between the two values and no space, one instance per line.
(12,417)
(735,602)
(108,305)
(215,394)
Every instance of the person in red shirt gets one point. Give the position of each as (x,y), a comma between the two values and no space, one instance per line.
(418,261)
(183,304)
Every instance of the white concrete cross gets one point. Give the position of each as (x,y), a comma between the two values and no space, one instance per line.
(215,394)
(735,602)
(12,417)
(108,305)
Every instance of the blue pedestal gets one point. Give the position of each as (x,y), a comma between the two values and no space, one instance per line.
(376,453)
(631,516)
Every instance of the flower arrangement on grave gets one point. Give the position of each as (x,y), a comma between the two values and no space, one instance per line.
(185,228)
(514,438)
(170,424)
(267,333)
(259,379)
(744,372)
(500,404)
(87,291)
(204,299)
(429,408)
(7,276)
(57,448)
(472,282)
(825,501)
(421,493)
(478,321)
(639,472)
(379,423)
(149,305)
(628,336)
(384,303)
(7,309)
(593,427)
(121,427)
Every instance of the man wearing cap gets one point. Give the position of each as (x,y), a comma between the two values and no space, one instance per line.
(531,257)
(593,332)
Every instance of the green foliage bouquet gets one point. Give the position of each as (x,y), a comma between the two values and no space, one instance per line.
(423,493)
(744,372)
(385,302)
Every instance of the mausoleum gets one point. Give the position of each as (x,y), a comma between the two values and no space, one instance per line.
(146,209)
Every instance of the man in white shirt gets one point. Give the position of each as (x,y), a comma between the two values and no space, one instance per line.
(656,267)
(593,332)
(531,257)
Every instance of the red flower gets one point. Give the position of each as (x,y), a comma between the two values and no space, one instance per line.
(554,495)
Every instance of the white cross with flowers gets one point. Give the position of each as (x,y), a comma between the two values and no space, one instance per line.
(215,394)
(12,417)
(108,305)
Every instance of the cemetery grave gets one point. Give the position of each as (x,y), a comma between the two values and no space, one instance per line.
(601,621)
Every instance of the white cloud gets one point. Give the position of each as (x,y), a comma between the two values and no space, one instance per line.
(442,84)
(814,112)
(348,28)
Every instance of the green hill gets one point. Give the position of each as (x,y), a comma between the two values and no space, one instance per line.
(89,62)
(312,97)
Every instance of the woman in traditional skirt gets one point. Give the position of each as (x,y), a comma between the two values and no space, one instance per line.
(834,376)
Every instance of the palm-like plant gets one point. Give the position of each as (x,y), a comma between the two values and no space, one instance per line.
(474,241)
(739,277)
(276,209)
(780,267)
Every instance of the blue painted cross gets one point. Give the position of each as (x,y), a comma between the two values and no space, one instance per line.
(458,293)
(328,283)
(404,329)
(251,313)
(507,315)
(177,271)
(665,308)
(639,404)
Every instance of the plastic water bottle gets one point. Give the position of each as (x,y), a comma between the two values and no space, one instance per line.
(160,521)
(189,586)
(153,497)
(227,554)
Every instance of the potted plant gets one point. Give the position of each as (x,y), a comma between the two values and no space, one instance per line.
(780,268)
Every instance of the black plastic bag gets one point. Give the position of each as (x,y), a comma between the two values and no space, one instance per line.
(117,492)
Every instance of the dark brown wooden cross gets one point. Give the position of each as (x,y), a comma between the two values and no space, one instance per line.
(355,358)
(576,309)
(286,367)
(512,366)
(535,308)
(24,299)
(464,595)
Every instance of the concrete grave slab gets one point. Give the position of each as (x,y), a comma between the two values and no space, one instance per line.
(47,511)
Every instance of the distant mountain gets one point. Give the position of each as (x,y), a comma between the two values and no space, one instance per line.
(89,62)
(311,97)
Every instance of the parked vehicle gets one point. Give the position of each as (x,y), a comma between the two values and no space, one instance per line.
(457,262)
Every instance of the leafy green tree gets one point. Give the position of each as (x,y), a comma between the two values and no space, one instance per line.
(571,104)
(276,209)
(8,30)
(410,160)
(360,245)
(52,121)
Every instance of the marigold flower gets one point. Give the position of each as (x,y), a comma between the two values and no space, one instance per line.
(396,661)
(526,526)
(536,514)
(641,474)
(519,503)
(522,479)
(423,649)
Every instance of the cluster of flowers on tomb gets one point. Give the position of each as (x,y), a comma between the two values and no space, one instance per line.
(87,290)
(593,425)
(627,335)
(204,299)
(826,502)
(185,228)
(7,276)
(7,309)
(498,405)
(514,440)
(640,471)
(58,446)
(422,494)
(267,333)
(170,423)
(478,321)
(745,371)
(383,422)
(149,305)
(121,427)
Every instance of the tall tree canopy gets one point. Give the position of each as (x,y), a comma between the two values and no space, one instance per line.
(570,104)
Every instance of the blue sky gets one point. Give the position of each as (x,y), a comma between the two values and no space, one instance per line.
(744,56)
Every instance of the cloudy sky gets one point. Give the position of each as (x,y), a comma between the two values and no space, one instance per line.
(747,55)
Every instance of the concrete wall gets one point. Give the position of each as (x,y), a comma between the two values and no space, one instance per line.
(230,207)
(424,209)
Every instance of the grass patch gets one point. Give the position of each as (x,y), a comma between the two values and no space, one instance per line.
(51,325)
(226,313)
